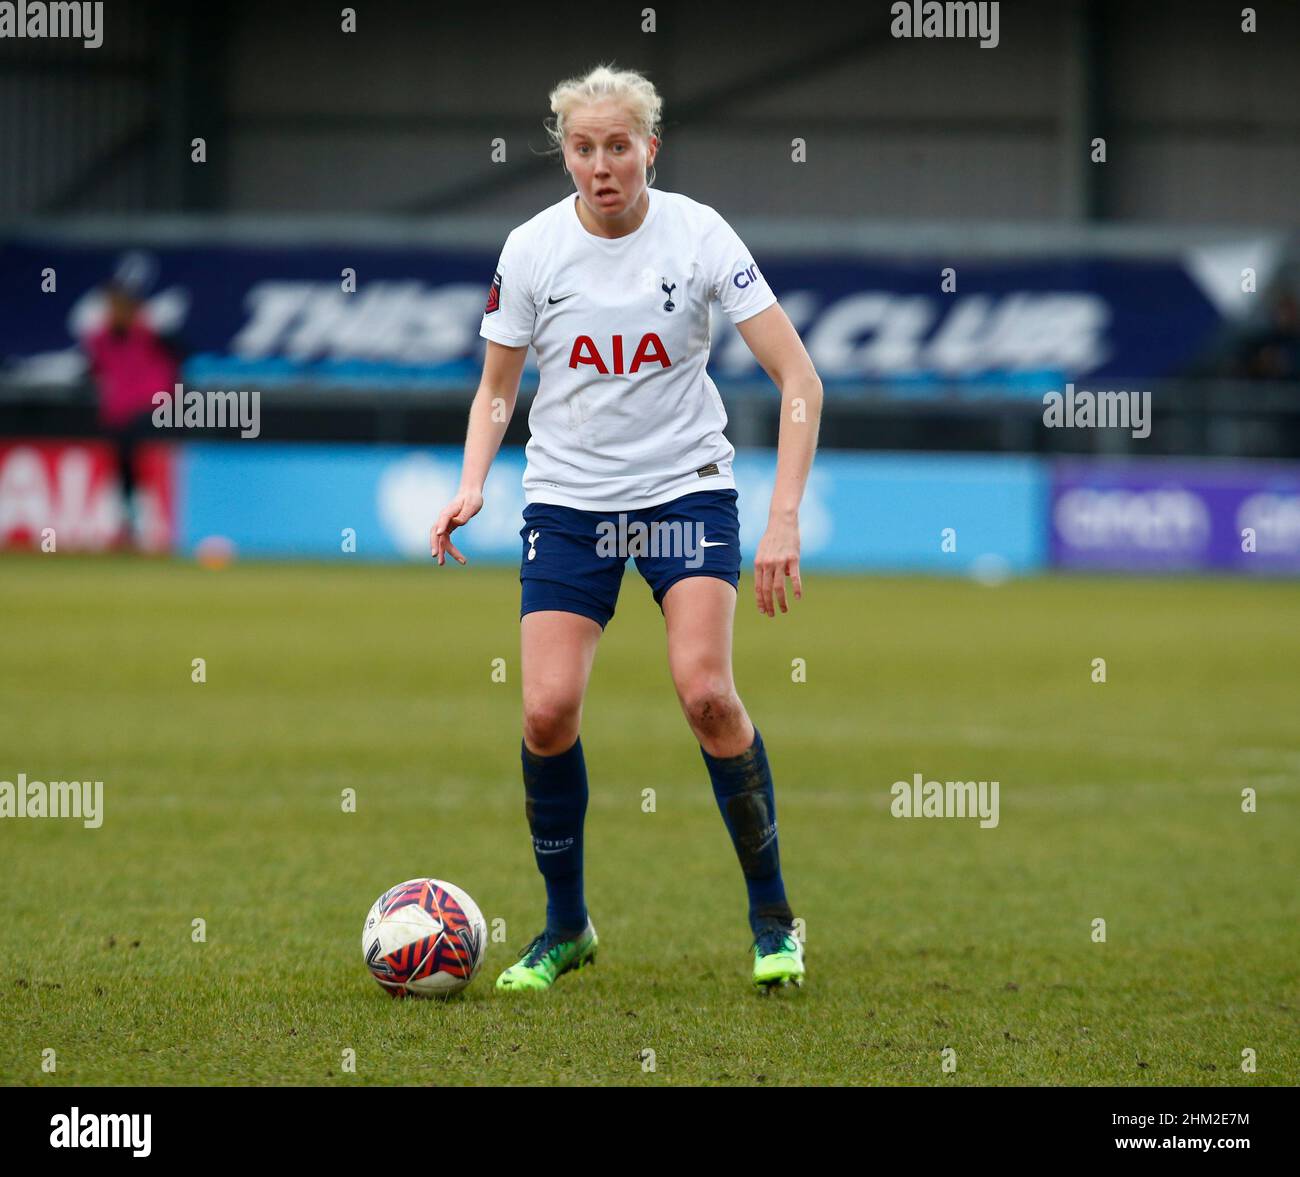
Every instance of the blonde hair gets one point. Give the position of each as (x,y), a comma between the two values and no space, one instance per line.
(631,89)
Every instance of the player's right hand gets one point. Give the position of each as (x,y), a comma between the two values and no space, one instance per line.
(456,514)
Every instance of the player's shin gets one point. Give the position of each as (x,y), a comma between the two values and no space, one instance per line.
(746,799)
(555,789)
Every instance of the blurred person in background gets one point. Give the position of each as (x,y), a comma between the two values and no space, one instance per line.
(130,361)
(1273,353)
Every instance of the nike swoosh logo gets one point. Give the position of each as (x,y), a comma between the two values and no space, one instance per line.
(562,297)
(713,543)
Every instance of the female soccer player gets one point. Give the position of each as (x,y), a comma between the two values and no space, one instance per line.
(627,456)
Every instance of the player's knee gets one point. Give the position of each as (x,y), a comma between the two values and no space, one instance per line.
(710,702)
(551,725)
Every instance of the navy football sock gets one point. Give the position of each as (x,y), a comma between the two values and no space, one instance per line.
(743,788)
(555,790)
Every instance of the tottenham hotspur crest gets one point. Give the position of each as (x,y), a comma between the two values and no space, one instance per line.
(668,290)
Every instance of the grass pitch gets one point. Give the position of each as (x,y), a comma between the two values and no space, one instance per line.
(222,802)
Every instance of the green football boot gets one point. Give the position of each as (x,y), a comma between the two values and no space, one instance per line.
(778,957)
(547,958)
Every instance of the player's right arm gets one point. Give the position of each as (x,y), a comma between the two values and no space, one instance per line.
(489,416)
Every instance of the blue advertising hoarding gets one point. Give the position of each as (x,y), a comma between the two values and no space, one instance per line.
(941,514)
(268,315)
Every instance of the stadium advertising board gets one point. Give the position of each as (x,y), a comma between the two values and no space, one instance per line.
(958,514)
(1176,516)
(65,496)
(273,316)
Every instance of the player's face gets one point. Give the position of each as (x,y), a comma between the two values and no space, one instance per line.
(607,158)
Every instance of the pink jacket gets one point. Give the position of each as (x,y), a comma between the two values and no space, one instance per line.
(129,369)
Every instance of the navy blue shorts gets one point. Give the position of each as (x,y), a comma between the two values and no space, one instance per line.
(573,560)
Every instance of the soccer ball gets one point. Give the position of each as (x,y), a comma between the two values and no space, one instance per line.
(424,938)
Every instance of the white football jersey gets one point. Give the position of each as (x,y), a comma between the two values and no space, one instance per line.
(625,415)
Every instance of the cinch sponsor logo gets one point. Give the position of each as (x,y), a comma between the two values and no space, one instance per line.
(650,350)
(90,1130)
(745,277)
(1165,521)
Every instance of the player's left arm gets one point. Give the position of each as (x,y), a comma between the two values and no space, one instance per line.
(776,345)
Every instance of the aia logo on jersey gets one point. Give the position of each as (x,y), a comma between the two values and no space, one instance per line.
(494,295)
(650,350)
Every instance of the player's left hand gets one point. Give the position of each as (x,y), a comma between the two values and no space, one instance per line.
(777,558)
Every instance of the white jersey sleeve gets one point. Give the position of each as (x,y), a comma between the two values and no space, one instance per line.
(736,282)
(511,313)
